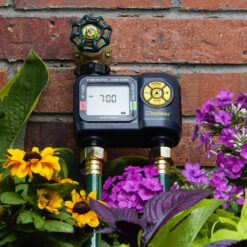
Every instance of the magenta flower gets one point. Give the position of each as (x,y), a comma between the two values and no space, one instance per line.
(243,152)
(223,99)
(133,189)
(223,117)
(238,194)
(227,137)
(241,100)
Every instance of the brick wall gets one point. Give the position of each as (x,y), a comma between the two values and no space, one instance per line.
(201,42)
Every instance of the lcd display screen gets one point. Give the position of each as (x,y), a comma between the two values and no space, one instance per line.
(107,99)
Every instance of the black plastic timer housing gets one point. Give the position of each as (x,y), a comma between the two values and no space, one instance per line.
(127,111)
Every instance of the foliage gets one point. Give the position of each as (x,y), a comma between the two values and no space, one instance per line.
(17,100)
(167,208)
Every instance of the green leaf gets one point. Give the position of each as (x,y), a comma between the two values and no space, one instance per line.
(11,198)
(2,114)
(8,239)
(69,164)
(224,220)
(63,189)
(38,220)
(162,234)
(19,97)
(24,217)
(65,217)
(242,224)
(185,233)
(58,226)
(7,184)
(226,234)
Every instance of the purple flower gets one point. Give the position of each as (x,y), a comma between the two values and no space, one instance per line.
(150,171)
(152,184)
(223,99)
(195,132)
(231,166)
(131,186)
(223,117)
(175,186)
(241,100)
(145,194)
(227,137)
(199,116)
(193,174)
(126,200)
(243,152)
(238,194)
(133,189)
(218,181)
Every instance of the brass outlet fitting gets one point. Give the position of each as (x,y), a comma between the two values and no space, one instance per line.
(104,56)
(93,157)
(161,158)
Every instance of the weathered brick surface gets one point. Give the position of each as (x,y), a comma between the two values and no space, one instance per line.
(198,88)
(3,2)
(195,89)
(145,4)
(3,77)
(60,134)
(213,4)
(144,40)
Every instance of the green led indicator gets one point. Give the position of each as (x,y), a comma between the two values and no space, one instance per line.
(133,105)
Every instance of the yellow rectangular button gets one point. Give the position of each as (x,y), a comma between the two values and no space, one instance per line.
(147,93)
(156,84)
(166,93)
(156,102)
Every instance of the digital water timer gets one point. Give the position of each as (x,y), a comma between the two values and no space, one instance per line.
(127,111)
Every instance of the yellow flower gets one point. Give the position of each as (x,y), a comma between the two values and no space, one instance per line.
(80,209)
(49,200)
(64,181)
(24,163)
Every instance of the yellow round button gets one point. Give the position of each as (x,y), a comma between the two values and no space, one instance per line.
(167,93)
(156,102)
(156,84)
(147,93)
(157,93)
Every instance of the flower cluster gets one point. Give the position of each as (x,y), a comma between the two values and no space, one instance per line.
(226,119)
(133,188)
(23,163)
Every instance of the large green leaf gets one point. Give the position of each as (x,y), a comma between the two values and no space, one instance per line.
(161,236)
(63,189)
(185,233)
(11,198)
(58,226)
(19,97)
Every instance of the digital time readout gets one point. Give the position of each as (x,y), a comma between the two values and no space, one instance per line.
(108,99)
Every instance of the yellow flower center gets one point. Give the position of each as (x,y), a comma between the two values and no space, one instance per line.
(81,208)
(32,155)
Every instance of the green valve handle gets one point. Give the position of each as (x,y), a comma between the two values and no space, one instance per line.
(91,34)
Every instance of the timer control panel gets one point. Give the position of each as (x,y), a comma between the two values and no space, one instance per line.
(127,111)
(157,93)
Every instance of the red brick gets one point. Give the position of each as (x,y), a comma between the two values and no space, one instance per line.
(3,2)
(144,40)
(60,134)
(40,4)
(198,88)
(3,77)
(213,4)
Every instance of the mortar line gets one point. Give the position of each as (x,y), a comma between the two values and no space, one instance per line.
(170,13)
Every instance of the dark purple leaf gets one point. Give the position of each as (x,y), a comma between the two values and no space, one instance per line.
(162,207)
(223,243)
(123,221)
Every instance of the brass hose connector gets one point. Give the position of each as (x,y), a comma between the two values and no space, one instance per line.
(161,158)
(93,157)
